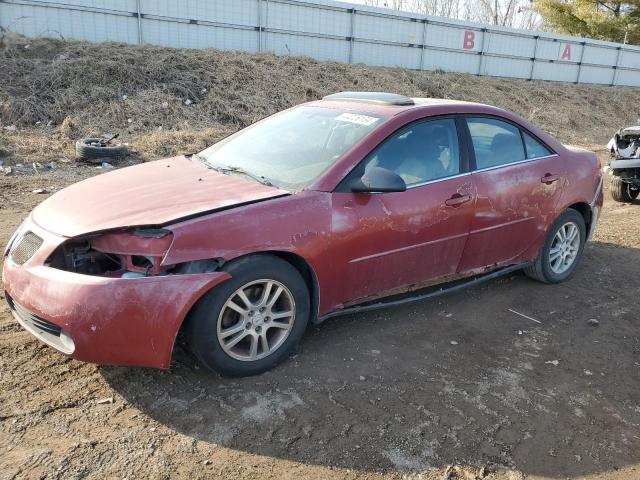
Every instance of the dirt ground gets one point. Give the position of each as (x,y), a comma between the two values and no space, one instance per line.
(460,387)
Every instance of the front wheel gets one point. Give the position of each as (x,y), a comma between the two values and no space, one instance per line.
(251,322)
(562,249)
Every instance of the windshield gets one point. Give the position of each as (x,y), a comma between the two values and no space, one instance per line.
(293,148)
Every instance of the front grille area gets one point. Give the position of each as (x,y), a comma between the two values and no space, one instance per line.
(25,248)
(44,330)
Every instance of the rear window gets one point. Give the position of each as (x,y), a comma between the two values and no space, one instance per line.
(535,149)
(495,142)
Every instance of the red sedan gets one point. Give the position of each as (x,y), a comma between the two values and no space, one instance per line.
(354,202)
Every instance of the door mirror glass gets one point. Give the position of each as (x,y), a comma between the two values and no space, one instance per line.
(379,180)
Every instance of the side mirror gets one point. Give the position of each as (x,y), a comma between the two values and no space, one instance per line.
(378,180)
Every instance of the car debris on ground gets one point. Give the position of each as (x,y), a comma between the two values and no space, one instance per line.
(524,316)
(97,150)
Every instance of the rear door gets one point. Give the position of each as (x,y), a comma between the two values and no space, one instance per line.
(391,241)
(518,181)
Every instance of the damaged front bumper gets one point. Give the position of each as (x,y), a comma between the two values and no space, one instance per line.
(115,321)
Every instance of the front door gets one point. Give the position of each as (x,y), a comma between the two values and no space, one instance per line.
(392,241)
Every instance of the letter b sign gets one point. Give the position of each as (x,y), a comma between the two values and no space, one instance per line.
(469,40)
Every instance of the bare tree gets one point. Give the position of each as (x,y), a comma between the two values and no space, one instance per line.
(508,13)
(392,4)
(438,8)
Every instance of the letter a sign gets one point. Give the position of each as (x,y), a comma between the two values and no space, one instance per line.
(565,52)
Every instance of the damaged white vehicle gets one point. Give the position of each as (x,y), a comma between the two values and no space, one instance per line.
(624,166)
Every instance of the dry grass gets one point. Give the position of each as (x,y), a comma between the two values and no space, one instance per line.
(140,92)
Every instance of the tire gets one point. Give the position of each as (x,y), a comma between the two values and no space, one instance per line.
(87,151)
(546,271)
(212,318)
(621,191)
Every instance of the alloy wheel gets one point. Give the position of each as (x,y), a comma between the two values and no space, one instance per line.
(564,248)
(256,320)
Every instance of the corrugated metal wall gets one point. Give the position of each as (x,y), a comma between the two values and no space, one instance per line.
(329,30)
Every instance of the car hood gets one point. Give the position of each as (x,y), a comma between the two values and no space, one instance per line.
(154,193)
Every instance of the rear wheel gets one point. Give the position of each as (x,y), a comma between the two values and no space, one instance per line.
(562,249)
(250,323)
(622,191)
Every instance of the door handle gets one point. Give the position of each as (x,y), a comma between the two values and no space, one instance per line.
(549,178)
(456,200)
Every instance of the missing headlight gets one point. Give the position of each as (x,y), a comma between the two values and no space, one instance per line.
(125,254)
(79,257)
(139,261)
(113,254)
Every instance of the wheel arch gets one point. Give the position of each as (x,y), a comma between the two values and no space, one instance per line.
(298,262)
(538,270)
(303,267)
(308,273)
(583,209)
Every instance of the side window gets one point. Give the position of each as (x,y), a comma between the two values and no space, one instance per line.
(422,152)
(495,142)
(534,148)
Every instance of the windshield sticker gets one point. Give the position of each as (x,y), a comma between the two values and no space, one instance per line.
(357,119)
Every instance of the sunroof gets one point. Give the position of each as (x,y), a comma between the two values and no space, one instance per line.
(378,97)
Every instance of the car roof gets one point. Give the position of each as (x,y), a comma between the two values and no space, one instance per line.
(390,104)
